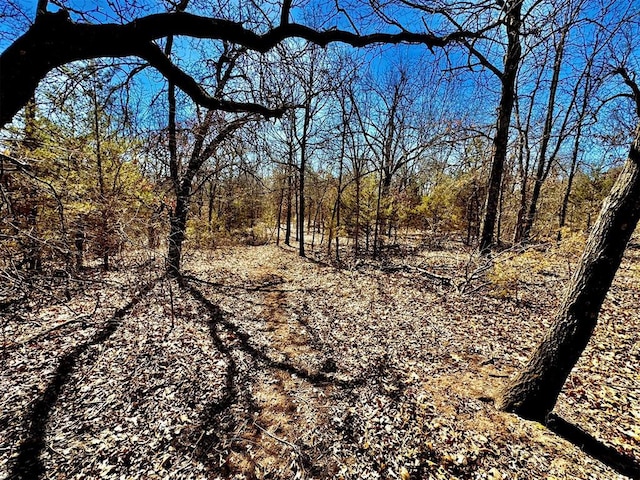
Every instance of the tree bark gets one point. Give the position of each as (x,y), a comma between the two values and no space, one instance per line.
(178,224)
(533,392)
(501,138)
(376,230)
(287,234)
(356,232)
(339,197)
(279,219)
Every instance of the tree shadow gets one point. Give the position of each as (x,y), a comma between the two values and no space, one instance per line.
(211,424)
(28,464)
(621,463)
(319,378)
(267,286)
(244,343)
(228,423)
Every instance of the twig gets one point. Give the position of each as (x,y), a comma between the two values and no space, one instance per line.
(41,334)
(282,440)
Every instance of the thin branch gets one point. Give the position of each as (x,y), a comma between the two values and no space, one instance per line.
(286,10)
(632,85)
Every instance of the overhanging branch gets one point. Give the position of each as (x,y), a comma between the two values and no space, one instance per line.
(157,59)
(54,40)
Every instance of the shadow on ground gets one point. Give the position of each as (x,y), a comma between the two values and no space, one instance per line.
(621,463)
(28,465)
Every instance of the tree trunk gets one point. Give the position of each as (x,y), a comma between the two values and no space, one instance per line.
(544,163)
(575,152)
(338,202)
(178,224)
(533,392)
(356,232)
(296,208)
(524,160)
(287,234)
(303,167)
(105,228)
(501,138)
(572,172)
(211,204)
(279,219)
(376,231)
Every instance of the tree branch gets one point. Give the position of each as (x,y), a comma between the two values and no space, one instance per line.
(286,10)
(54,40)
(632,85)
(156,58)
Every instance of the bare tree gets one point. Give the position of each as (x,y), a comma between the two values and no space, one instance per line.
(533,392)
(397,126)
(204,147)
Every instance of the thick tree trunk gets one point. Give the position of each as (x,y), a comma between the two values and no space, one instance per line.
(501,138)
(533,392)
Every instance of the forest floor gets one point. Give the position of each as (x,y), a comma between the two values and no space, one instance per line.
(265,365)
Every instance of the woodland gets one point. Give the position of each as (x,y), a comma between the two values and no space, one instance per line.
(307,239)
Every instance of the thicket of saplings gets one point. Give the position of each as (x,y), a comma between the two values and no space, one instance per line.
(65,214)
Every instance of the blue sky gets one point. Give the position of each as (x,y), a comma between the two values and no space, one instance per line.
(476,91)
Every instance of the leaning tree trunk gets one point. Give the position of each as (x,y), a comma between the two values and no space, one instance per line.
(533,392)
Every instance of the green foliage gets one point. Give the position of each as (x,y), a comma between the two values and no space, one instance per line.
(65,193)
(453,203)
(362,210)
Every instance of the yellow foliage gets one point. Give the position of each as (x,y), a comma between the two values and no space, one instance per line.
(507,274)
(571,243)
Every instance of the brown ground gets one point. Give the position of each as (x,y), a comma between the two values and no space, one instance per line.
(266,365)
